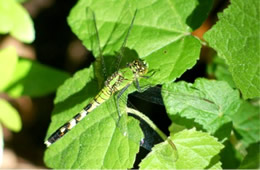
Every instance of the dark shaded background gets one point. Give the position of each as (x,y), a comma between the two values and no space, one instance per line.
(58,47)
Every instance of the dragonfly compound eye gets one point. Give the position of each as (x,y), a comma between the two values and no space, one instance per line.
(140,67)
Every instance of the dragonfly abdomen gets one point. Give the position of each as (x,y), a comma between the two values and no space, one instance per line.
(101,97)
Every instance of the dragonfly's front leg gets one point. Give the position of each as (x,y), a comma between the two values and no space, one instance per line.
(118,97)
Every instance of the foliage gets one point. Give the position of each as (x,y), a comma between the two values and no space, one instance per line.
(161,35)
(192,155)
(34,79)
(236,39)
(209,103)
(9,116)
(252,159)
(8,61)
(16,21)
(219,69)
(21,76)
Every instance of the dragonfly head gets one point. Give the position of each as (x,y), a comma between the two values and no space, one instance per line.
(139,67)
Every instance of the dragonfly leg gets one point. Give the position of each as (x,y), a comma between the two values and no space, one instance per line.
(137,86)
(118,97)
(147,77)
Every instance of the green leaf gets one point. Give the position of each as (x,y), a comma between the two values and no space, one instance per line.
(34,79)
(101,140)
(21,1)
(216,164)
(195,149)
(9,116)
(236,38)
(220,70)
(16,21)
(199,14)
(246,122)
(8,60)
(252,159)
(230,157)
(210,103)
(160,31)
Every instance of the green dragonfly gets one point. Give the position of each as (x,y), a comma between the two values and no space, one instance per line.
(119,80)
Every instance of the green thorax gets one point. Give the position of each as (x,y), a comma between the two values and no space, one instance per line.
(125,76)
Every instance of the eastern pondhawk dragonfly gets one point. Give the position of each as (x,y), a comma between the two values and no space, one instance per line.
(119,81)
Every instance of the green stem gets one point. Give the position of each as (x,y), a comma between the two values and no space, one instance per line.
(155,128)
(148,121)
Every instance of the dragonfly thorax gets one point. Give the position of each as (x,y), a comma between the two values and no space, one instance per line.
(139,67)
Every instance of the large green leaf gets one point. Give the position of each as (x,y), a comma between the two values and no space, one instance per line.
(247,122)
(16,21)
(101,140)
(195,149)
(236,38)
(208,102)
(160,31)
(8,60)
(34,79)
(9,116)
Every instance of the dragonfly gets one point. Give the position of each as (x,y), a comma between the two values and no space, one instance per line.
(118,82)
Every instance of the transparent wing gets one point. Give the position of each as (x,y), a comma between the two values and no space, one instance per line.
(123,47)
(110,47)
(181,101)
(93,34)
(154,95)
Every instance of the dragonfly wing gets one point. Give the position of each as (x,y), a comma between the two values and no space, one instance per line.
(152,94)
(93,36)
(121,119)
(122,49)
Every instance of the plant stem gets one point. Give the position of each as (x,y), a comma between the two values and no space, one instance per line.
(148,121)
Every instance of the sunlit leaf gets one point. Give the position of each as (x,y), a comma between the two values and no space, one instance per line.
(195,150)
(9,116)
(16,21)
(8,60)
(209,103)
(158,34)
(34,79)
(236,39)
